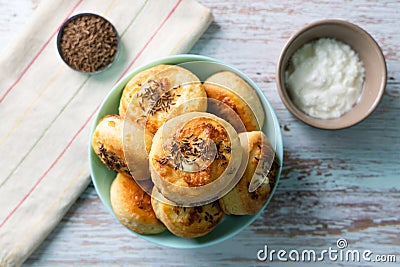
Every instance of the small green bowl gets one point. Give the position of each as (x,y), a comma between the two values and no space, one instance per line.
(203,67)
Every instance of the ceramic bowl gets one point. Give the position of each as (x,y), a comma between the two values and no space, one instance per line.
(369,53)
(203,67)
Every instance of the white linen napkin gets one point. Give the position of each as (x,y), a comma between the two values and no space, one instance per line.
(46,108)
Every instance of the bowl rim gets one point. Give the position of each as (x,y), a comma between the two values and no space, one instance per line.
(65,23)
(317,122)
(189,58)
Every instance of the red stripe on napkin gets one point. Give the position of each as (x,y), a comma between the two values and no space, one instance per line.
(87,120)
(50,168)
(151,38)
(38,53)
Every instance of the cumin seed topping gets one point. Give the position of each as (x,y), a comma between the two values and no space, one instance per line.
(192,150)
(156,96)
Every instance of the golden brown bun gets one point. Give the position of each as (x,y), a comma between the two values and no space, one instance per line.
(134,85)
(107,143)
(191,151)
(187,222)
(159,93)
(132,206)
(239,201)
(150,98)
(233,95)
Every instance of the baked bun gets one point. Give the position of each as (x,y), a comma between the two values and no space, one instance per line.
(187,222)
(148,100)
(254,188)
(230,94)
(132,206)
(157,94)
(107,143)
(194,158)
(134,85)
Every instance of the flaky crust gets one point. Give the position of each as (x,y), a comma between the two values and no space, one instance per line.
(228,89)
(107,143)
(187,222)
(132,206)
(239,201)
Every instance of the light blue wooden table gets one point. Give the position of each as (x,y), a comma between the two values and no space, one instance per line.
(335,184)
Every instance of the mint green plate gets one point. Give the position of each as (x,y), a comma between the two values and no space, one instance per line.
(203,67)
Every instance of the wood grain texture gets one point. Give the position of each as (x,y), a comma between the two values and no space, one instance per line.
(334,184)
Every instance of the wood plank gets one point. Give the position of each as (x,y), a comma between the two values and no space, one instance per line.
(334,183)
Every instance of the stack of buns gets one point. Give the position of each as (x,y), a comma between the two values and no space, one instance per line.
(186,152)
